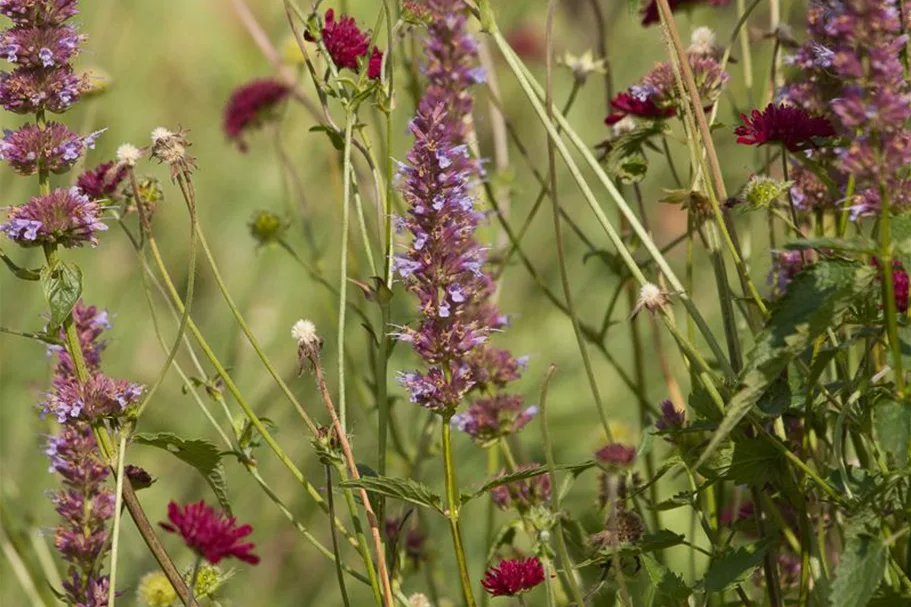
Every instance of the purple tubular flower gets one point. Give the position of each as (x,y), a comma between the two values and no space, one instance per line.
(851,70)
(90,323)
(40,12)
(671,418)
(64,217)
(55,148)
(85,505)
(489,419)
(30,90)
(40,46)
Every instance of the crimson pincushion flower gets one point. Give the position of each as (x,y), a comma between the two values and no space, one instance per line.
(640,106)
(344,41)
(792,127)
(513,576)
(900,283)
(210,534)
(101,183)
(250,105)
(616,455)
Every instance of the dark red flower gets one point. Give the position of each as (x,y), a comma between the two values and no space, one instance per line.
(627,104)
(527,42)
(650,14)
(900,283)
(513,576)
(375,65)
(210,534)
(616,454)
(249,105)
(790,126)
(102,181)
(344,41)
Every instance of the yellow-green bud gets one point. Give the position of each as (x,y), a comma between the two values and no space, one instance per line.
(266,227)
(761,191)
(155,591)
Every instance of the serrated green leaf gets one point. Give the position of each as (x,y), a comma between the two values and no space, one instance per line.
(734,567)
(201,454)
(754,462)
(626,160)
(892,424)
(519,475)
(665,586)
(860,572)
(62,286)
(817,299)
(403,489)
(661,539)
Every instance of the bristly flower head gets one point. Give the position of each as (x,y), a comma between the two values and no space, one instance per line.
(523,494)
(55,148)
(344,41)
(101,183)
(375,65)
(250,106)
(267,228)
(787,125)
(64,217)
(155,591)
(616,455)
(513,576)
(900,283)
(210,534)
(489,419)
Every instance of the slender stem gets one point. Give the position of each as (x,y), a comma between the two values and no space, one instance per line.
(20,570)
(338,558)
(194,577)
(118,508)
(343,274)
(565,559)
(891,310)
(452,513)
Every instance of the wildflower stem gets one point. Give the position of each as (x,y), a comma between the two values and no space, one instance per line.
(118,508)
(452,512)
(353,471)
(565,560)
(338,559)
(891,310)
(195,576)
(343,272)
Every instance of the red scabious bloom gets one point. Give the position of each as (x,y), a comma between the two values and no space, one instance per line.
(344,41)
(900,282)
(790,126)
(627,104)
(102,181)
(249,105)
(616,454)
(651,16)
(513,577)
(210,534)
(375,65)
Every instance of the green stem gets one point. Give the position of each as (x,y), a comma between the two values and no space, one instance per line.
(338,558)
(452,507)
(118,508)
(885,258)
(343,272)
(194,577)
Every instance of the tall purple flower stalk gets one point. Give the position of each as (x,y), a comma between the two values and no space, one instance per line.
(444,264)
(853,58)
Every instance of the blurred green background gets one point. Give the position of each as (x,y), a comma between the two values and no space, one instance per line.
(175,63)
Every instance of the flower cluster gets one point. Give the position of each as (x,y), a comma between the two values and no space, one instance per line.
(251,105)
(210,534)
(850,69)
(656,96)
(347,44)
(488,419)
(513,576)
(41,45)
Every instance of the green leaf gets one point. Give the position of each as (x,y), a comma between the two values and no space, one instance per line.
(661,539)
(626,160)
(754,462)
(62,288)
(201,454)
(900,231)
(519,475)
(892,424)
(403,489)
(734,567)
(665,586)
(860,572)
(818,298)
(338,142)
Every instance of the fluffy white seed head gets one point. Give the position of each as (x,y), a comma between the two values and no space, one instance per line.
(419,600)
(304,332)
(702,41)
(625,125)
(128,154)
(161,133)
(651,296)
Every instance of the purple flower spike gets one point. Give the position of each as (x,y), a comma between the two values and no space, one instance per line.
(40,46)
(54,147)
(489,419)
(39,12)
(64,217)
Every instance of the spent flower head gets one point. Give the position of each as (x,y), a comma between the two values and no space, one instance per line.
(128,155)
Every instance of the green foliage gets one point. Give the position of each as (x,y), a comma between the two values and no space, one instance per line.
(892,423)
(665,586)
(626,159)
(201,454)
(817,299)
(734,567)
(404,489)
(62,284)
(860,571)
(755,462)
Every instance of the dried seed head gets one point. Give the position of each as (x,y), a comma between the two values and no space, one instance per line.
(584,65)
(623,528)
(171,148)
(651,297)
(702,42)
(161,133)
(419,600)
(128,154)
(309,343)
